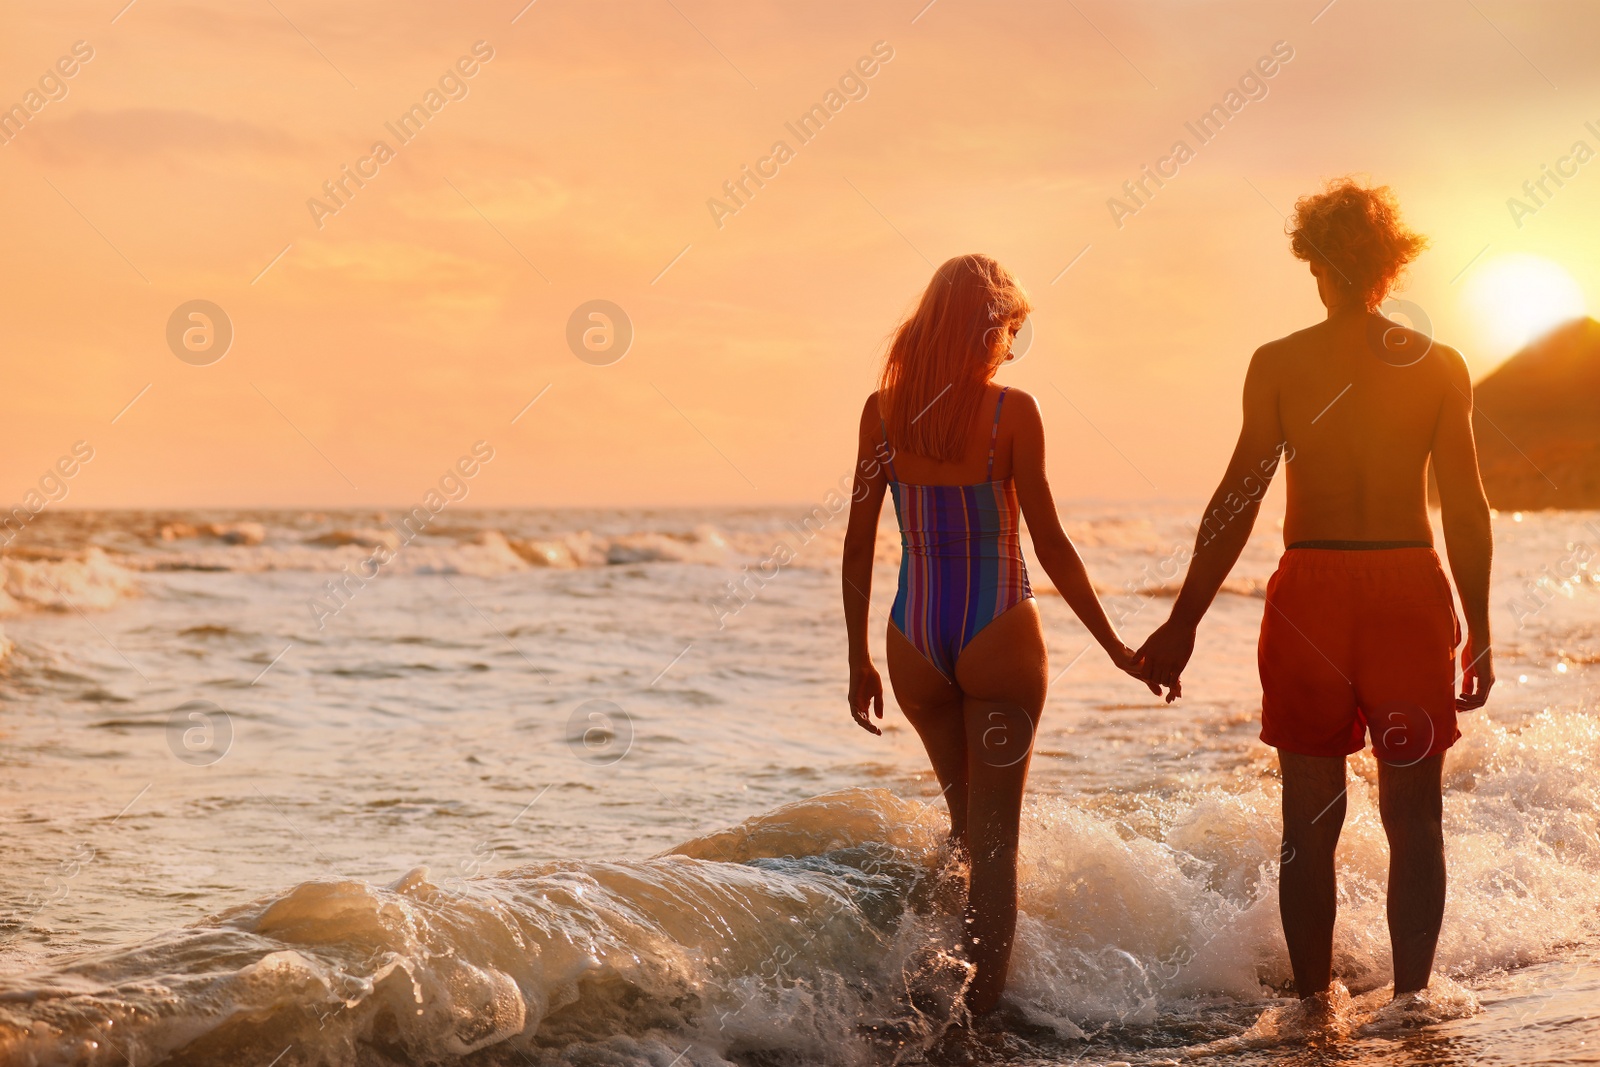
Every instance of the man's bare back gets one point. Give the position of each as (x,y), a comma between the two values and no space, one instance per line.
(1360,417)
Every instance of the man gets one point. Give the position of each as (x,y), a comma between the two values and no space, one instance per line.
(1358,631)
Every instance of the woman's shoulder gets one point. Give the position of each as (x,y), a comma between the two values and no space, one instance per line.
(1019,401)
(1020,418)
(871,411)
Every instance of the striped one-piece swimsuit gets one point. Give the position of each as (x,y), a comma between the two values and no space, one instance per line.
(961,559)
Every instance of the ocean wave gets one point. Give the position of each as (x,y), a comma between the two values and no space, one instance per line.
(486,552)
(704,544)
(494,543)
(63,584)
(361,538)
(804,929)
(578,952)
(232,533)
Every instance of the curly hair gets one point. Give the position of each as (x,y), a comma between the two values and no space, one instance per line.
(1356,230)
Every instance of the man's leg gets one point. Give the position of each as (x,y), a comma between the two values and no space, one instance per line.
(1313,815)
(1411,803)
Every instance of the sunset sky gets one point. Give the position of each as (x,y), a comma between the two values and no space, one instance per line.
(374,344)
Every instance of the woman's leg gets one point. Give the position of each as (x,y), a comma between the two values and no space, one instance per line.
(1003,674)
(932,704)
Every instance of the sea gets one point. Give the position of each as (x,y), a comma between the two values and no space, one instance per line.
(545,787)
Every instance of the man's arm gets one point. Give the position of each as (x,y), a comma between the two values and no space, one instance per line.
(1468,537)
(1224,528)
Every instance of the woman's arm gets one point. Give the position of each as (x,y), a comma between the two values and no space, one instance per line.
(860,543)
(1055,550)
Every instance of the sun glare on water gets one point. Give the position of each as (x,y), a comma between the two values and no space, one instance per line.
(1518,298)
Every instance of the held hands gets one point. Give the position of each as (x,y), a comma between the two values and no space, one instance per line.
(866,695)
(1477,674)
(1161,659)
(1166,652)
(1126,661)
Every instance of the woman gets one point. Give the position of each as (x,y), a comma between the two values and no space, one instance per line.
(966,652)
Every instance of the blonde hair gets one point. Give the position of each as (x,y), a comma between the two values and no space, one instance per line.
(939,361)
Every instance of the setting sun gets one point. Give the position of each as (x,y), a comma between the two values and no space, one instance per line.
(1517,298)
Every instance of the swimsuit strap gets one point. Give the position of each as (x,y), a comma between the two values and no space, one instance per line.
(888,452)
(994,434)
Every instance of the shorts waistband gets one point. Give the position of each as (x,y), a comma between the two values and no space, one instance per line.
(1405,557)
(1358,546)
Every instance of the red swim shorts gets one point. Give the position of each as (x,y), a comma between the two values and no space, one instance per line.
(1353,640)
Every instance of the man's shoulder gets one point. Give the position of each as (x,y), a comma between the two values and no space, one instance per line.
(1272,361)
(1291,345)
(1453,362)
(1395,345)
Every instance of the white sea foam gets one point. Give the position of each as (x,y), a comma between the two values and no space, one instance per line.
(799,928)
(485,553)
(583,548)
(91,580)
(232,533)
(365,537)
